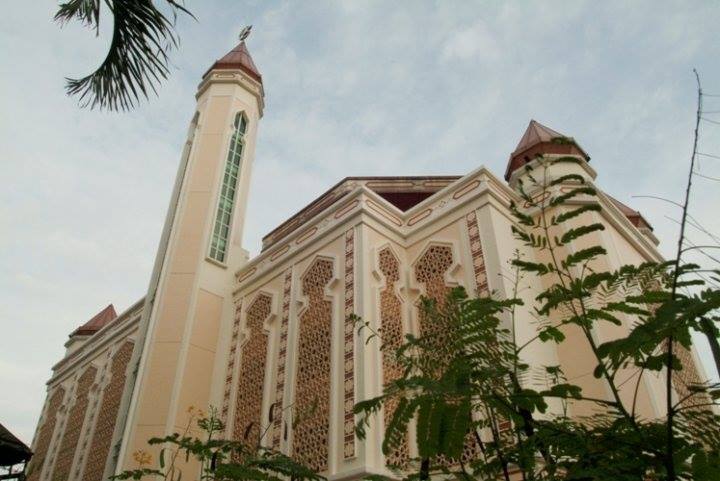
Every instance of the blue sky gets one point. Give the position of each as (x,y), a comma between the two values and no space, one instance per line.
(352,88)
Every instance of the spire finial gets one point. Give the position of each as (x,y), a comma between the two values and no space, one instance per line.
(245,33)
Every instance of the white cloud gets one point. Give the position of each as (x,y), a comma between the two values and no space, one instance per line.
(476,42)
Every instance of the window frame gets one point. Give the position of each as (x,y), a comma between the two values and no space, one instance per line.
(222,225)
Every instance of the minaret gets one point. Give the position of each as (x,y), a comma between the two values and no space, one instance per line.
(200,250)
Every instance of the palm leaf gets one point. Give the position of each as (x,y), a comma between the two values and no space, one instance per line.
(137,60)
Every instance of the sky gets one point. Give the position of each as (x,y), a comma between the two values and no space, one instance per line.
(352,88)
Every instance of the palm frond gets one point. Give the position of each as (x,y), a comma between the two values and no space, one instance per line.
(137,60)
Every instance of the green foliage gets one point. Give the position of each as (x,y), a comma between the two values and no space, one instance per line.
(220,460)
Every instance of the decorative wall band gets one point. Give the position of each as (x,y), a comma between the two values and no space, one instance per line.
(346,208)
(466,189)
(279,408)
(349,360)
(247,274)
(280,252)
(377,208)
(232,356)
(478,259)
(378,185)
(306,235)
(418,217)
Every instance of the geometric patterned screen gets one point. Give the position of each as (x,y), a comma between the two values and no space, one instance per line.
(312,381)
(45,435)
(393,335)
(252,373)
(107,416)
(73,427)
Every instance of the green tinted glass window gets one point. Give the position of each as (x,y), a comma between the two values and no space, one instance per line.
(226,202)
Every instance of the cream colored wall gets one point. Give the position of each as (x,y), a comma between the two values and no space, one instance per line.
(500,248)
(625,245)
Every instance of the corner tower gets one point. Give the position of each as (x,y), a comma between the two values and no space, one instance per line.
(190,290)
(539,140)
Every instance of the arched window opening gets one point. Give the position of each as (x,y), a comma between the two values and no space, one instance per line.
(226,201)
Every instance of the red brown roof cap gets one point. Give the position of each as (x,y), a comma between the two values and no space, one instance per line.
(100,320)
(634,216)
(539,139)
(238,59)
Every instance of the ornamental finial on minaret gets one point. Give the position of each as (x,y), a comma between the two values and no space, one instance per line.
(239,58)
(245,33)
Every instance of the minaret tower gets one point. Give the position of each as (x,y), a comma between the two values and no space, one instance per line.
(190,291)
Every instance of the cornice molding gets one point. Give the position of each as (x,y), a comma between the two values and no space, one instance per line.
(236,77)
(364,201)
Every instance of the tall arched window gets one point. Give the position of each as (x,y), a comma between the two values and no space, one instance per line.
(221,230)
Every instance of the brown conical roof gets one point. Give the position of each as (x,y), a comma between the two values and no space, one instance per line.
(534,134)
(100,320)
(539,139)
(238,58)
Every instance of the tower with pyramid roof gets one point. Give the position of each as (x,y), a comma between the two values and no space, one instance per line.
(190,290)
(540,140)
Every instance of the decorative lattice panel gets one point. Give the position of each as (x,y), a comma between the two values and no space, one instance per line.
(232,356)
(251,379)
(282,356)
(430,271)
(687,377)
(312,397)
(349,397)
(478,259)
(391,328)
(45,434)
(74,425)
(107,417)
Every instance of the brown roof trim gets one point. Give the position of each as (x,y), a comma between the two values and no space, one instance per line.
(331,195)
(97,322)
(237,59)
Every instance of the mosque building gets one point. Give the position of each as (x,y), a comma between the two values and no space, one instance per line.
(251,335)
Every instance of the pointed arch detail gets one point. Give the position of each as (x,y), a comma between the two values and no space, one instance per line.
(393,334)
(247,424)
(312,380)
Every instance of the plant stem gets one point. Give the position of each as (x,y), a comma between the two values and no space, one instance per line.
(709,332)
(669,459)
